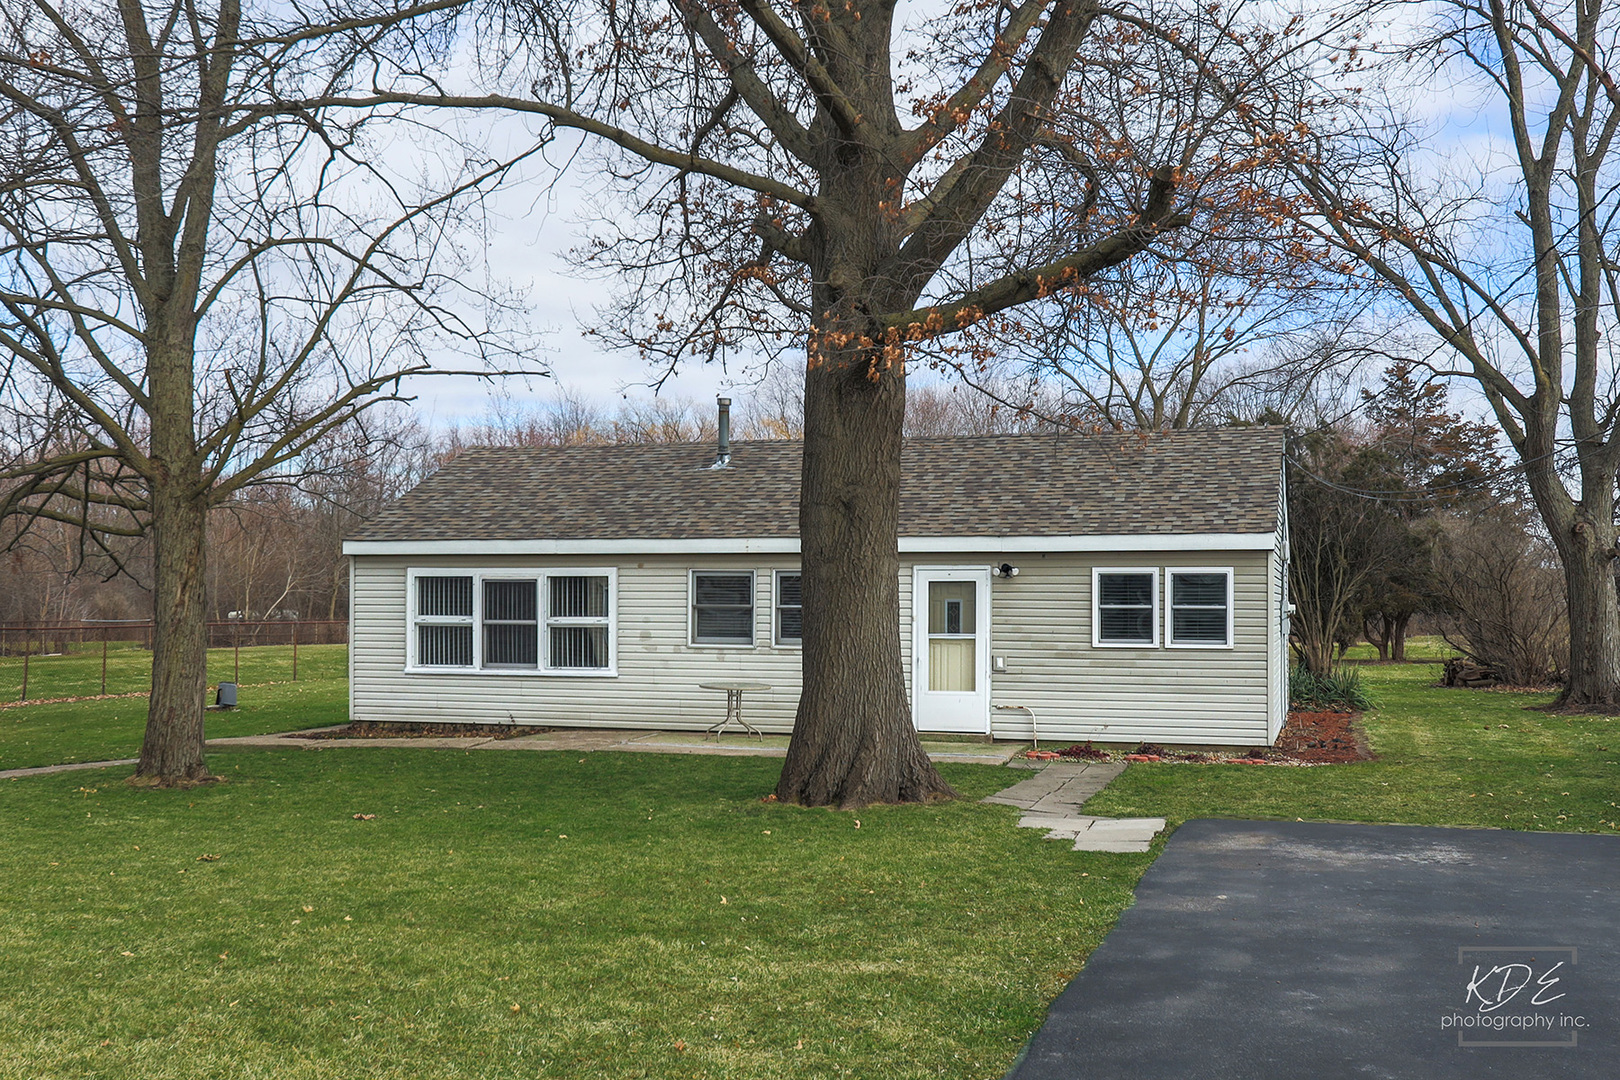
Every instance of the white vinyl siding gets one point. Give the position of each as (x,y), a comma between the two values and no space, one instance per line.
(1040,627)
(1125,695)
(657,668)
(1198,607)
(1278,619)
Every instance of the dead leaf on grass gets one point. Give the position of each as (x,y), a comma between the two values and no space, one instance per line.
(209,858)
(365,817)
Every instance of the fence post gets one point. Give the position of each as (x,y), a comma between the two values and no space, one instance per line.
(104,663)
(295,651)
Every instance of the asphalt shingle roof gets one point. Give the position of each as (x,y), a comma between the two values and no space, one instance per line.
(1217,481)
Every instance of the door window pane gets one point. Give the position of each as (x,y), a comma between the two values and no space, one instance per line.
(952,665)
(951,607)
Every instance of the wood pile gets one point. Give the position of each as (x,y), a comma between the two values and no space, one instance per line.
(1460,672)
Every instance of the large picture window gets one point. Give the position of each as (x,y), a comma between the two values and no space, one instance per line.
(549,622)
(722,607)
(1200,608)
(511,625)
(1125,608)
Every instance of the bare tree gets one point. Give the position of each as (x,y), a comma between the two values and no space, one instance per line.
(1236,302)
(832,179)
(1507,254)
(1502,593)
(208,266)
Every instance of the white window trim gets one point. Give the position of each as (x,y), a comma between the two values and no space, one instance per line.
(1096,607)
(753,606)
(776,608)
(539,575)
(1170,613)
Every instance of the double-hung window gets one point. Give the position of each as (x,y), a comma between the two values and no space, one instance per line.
(1200,608)
(1125,607)
(577,622)
(550,622)
(444,621)
(722,607)
(789,608)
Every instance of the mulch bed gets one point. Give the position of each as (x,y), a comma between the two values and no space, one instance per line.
(1324,738)
(1309,738)
(371,729)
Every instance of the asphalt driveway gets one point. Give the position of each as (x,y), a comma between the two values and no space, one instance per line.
(1291,949)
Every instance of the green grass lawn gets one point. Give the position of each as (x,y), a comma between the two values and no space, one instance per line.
(1418,647)
(634,915)
(1445,757)
(526,915)
(111,728)
(129,669)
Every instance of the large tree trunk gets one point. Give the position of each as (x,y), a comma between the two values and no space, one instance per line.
(853,740)
(1587,551)
(172,751)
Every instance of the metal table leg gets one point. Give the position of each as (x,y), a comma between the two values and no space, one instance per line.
(733,712)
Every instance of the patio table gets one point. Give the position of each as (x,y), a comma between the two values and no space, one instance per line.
(734,693)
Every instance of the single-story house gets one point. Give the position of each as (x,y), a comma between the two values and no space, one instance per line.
(1120,587)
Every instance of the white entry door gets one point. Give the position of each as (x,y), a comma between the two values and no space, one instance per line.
(950,649)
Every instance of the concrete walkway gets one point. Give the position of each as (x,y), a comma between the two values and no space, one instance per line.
(46,770)
(1051,800)
(653,742)
(577,740)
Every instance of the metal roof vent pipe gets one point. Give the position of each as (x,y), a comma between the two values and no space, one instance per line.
(722,458)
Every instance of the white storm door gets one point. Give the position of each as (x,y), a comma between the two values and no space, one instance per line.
(950,650)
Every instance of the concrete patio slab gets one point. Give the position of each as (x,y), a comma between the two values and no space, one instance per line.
(1293,949)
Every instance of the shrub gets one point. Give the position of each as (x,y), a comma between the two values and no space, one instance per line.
(1338,689)
(1502,595)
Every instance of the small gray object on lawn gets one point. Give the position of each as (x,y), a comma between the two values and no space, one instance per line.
(226,698)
